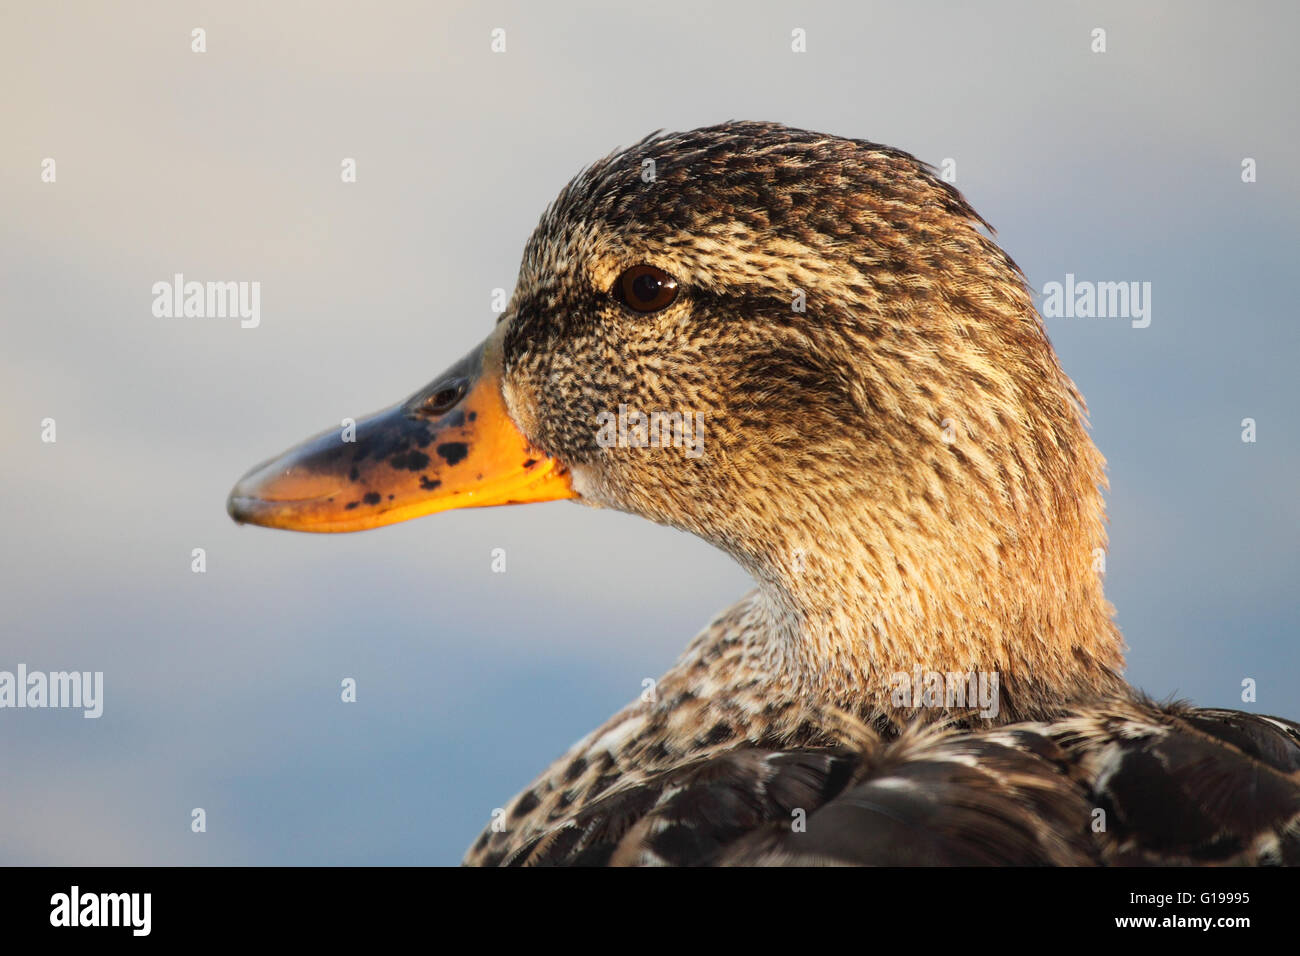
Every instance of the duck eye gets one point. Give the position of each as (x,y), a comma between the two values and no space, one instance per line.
(645,289)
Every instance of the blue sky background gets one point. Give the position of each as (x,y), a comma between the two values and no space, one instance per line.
(222,689)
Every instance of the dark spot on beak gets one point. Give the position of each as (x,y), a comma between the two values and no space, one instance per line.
(351,504)
(424,436)
(410,460)
(354,474)
(473,415)
(453,452)
(530,462)
(372,497)
(428,485)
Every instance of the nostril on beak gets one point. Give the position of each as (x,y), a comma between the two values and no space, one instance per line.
(445,398)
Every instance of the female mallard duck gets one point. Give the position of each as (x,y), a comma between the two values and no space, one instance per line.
(893,452)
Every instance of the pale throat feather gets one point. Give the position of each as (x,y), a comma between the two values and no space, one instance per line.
(895,571)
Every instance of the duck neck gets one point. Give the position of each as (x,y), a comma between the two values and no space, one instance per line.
(915,618)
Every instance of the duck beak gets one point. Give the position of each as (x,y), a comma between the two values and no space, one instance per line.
(450,445)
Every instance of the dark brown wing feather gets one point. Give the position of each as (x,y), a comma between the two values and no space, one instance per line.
(1200,787)
(1123,784)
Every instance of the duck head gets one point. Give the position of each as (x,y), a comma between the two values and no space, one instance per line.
(807,350)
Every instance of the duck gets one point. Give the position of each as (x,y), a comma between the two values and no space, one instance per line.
(811,352)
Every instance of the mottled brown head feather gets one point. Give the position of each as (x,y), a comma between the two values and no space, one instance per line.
(898,459)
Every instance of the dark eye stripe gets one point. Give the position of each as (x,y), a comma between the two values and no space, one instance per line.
(645,288)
